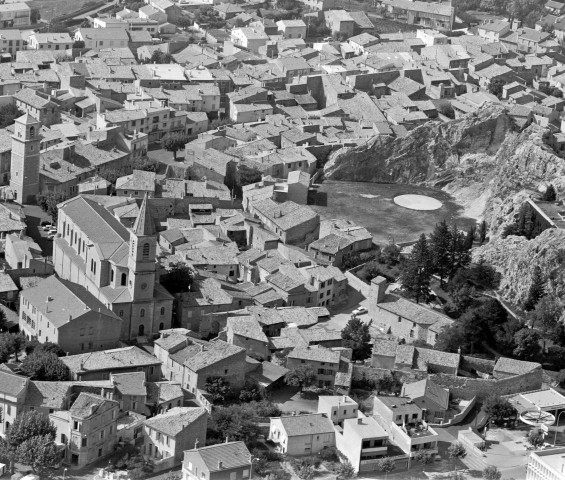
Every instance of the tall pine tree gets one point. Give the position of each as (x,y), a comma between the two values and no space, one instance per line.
(483,229)
(550,195)
(417,271)
(459,254)
(440,241)
(537,289)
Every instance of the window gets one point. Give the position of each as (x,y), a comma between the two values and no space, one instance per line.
(146,248)
(101,434)
(124,279)
(83,442)
(142,312)
(162,311)
(75,425)
(121,314)
(111,273)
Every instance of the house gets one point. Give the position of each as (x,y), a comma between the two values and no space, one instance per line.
(324,362)
(11,41)
(50,41)
(340,22)
(162,396)
(493,30)
(100,365)
(339,238)
(217,462)
(88,428)
(191,362)
(226,11)
(138,184)
(338,408)
(292,28)
(430,397)
(130,391)
(13,389)
(36,105)
(509,367)
(294,224)
(439,16)
(167,435)
(151,13)
(247,333)
(546,464)
(15,15)
(249,38)
(62,312)
(102,37)
(387,353)
(302,434)
(403,318)
(555,8)
(404,422)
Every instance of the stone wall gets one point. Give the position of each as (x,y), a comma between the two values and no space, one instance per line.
(467,388)
(471,364)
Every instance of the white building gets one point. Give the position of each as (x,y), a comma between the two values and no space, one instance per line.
(546,465)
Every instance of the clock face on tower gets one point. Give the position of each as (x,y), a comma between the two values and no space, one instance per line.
(143,286)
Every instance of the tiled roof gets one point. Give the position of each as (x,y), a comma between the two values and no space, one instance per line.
(86,405)
(314,424)
(385,347)
(132,383)
(175,420)
(138,180)
(516,367)
(162,392)
(48,394)
(224,456)
(11,384)
(427,388)
(315,354)
(414,312)
(117,358)
(67,301)
(213,352)
(247,327)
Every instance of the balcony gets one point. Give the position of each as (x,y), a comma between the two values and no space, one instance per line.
(383,449)
(418,430)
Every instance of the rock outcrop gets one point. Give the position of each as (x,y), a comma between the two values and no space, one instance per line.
(489,167)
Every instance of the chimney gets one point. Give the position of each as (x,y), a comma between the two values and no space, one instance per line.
(93,409)
(220,465)
(70,318)
(360,421)
(344,399)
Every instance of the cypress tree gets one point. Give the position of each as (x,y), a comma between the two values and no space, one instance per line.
(483,231)
(537,289)
(550,195)
(417,271)
(440,241)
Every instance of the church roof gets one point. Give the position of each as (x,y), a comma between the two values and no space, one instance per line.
(27,119)
(143,225)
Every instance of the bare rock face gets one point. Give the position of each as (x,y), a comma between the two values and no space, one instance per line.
(489,168)
(515,258)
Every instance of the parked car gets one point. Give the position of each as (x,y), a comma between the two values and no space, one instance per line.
(47,227)
(53,230)
(359,311)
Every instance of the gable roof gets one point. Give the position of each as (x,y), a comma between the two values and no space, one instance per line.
(516,367)
(11,384)
(131,383)
(87,404)
(313,424)
(175,420)
(430,390)
(127,357)
(231,455)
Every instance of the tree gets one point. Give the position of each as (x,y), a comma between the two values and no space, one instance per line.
(48,203)
(423,458)
(7,346)
(527,344)
(302,376)
(537,289)
(219,389)
(357,337)
(390,254)
(79,44)
(492,473)
(111,175)
(386,465)
(550,195)
(145,164)
(561,378)
(499,410)
(495,87)
(173,142)
(178,278)
(456,451)
(535,438)
(483,229)
(459,255)
(40,453)
(304,471)
(45,366)
(50,347)
(417,271)
(34,16)
(183,22)
(546,315)
(8,114)
(245,175)
(345,470)
(440,243)
(470,237)
(158,56)
(25,427)
(3,321)
(236,422)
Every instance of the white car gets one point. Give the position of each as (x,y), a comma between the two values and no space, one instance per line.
(52,230)
(47,227)
(359,311)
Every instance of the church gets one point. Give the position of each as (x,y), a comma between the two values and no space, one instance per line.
(114,263)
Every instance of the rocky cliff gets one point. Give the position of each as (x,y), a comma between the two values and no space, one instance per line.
(489,167)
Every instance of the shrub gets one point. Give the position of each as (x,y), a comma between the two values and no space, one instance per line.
(329,454)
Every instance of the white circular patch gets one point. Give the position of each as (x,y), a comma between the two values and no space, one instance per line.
(417,202)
